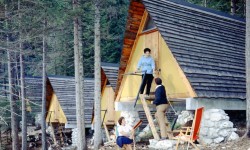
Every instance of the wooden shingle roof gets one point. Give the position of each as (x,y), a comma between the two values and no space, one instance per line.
(208,45)
(33,86)
(111,72)
(64,88)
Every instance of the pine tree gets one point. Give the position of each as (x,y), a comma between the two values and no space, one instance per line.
(44,78)
(14,124)
(248,62)
(78,81)
(22,85)
(97,122)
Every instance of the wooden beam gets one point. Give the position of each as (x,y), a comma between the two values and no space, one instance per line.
(149,31)
(104,86)
(149,117)
(61,136)
(106,131)
(143,21)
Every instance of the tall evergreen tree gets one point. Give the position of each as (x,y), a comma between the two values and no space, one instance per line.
(78,81)
(44,79)
(97,122)
(248,62)
(11,74)
(22,84)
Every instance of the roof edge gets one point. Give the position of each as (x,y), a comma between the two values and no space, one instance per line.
(207,10)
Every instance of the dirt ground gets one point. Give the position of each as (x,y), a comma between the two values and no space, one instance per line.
(243,144)
(236,145)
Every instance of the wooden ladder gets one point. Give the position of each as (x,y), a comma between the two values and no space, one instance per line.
(149,117)
(151,122)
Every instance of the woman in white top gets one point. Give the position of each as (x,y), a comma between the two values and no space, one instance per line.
(125,134)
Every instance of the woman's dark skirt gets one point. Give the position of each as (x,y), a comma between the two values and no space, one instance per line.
(123,140)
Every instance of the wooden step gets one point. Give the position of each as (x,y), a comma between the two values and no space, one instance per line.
(150,97)
(149,117)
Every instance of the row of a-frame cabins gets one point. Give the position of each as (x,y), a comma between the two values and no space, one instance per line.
(200,52)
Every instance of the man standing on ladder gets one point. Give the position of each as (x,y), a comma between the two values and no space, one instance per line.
(146,65)
(161,103)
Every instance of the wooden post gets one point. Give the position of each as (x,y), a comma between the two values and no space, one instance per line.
(61,136)
(149,117)
(53,133)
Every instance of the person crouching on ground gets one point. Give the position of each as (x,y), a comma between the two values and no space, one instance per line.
(125,134)
(161,103)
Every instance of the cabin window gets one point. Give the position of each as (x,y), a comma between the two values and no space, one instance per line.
(149,25)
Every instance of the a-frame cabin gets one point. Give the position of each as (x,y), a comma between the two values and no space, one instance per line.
(199,51)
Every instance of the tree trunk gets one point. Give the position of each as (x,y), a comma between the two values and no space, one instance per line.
(44,143)
(81,79)
(0,136)
(79,83)
(248,62)
(22,85)
(233,7)
(14,124)
(97,123)
(205,3)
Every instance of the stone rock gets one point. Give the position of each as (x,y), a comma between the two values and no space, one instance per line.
(204,131)
(165,144)
(215,126)
(225,124)
(206,141)
(213,133)
(131,117)
(225,132)
(162,145)
(153,142)
(146,133)
(218,140)
(206,115)
(233,137)
(218,117)
(216,111)
(208,123)
(184,117)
